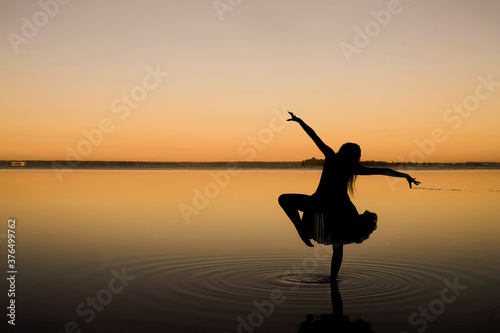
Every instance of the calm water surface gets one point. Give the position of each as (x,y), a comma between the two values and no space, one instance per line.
(110,251)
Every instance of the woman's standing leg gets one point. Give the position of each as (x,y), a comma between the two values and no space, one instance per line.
(291,204)
(338,253)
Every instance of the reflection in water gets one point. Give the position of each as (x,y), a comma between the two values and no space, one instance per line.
(335,322)
(76,232)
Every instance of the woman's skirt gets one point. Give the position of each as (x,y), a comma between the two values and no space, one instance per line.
(330,228)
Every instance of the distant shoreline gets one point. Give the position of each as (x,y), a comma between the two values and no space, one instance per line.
(311,164)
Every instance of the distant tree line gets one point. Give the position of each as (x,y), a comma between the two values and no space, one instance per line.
(312,162)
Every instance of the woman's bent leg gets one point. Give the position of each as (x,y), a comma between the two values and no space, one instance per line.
(291,204)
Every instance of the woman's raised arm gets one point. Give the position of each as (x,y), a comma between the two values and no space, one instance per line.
(319,143)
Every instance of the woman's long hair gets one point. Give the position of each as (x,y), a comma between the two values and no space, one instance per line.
(350,153)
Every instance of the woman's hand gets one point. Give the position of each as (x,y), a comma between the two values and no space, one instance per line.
(412,180)
(294,118)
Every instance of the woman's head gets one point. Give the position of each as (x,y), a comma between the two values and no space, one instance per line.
(349,154)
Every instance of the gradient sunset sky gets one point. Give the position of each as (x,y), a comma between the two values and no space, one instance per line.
(231,66)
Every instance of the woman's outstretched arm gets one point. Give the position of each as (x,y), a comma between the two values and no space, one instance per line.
(386,172)
(319,143)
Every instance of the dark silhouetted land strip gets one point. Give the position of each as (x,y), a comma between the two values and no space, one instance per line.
(306,164)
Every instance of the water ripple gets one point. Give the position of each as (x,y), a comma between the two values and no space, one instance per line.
(233,282)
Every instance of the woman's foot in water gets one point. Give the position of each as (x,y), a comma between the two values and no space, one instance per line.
(304,238)
(302,233)
(306,241)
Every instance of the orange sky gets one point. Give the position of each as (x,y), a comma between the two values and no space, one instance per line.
(406,79)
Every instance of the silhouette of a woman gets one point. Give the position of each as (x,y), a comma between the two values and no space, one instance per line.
(330,217)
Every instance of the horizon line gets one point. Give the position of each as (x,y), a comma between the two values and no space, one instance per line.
(234,161)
